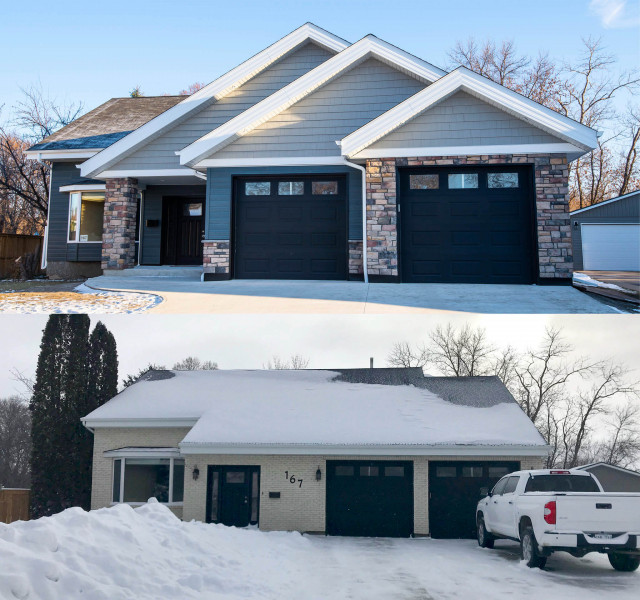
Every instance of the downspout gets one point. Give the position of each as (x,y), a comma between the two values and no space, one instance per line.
(45,243)
(202,176)
(365,261)
(140,222)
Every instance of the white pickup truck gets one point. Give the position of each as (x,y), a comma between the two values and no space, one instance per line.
(554,510)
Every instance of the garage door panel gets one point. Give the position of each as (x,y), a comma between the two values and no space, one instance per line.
(611,247)
(426,238)
(466,267)
(463,209)
(466,238)
(424,209)
(324,239)
(256,239)
(256,265)
(289,213)
(323,266)
(256,212)
(427,267)
(290,239)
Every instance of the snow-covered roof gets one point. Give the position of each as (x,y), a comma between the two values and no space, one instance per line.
(277,411)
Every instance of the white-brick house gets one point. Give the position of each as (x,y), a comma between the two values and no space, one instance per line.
(378,452)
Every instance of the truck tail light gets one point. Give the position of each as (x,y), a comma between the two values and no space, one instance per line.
(550,512)
(560,472)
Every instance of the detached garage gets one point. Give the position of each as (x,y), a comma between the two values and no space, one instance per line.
(606,236)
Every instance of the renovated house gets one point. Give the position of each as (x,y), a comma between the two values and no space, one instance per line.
(373,452)
(281,167)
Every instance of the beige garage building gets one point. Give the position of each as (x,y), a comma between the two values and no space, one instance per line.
(373,452)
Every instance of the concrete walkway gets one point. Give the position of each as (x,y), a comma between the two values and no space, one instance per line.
(184,295)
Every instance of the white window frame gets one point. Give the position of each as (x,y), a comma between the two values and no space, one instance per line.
(172,459)
(80,216)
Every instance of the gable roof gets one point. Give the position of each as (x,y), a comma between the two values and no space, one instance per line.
(576,134)
(211,93)
(604,202)
(608,466)
(107,123)
(368,47)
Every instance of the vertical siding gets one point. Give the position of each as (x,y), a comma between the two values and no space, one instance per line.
(311,126)
(220,191)
(160,153)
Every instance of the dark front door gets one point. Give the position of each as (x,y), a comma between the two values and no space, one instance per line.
(291,227)
(454,491)
(183,227)
(370,498)
(467,225)
(233,495)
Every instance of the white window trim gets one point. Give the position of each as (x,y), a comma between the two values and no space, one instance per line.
(172,458)
(79,219)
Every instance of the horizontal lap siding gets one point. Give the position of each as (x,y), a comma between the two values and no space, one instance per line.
(220,191)
(311,126)
(160,153)
(463,120)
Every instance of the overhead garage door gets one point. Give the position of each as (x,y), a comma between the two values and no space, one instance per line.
(467,225)
(611,247)
(291,228)
(454,491)
(370,498)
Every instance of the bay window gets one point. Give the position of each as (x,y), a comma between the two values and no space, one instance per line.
(86,212)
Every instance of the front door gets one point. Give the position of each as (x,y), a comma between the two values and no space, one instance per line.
(183,227)
(232,495)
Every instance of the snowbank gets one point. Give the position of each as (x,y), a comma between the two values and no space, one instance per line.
(585,280)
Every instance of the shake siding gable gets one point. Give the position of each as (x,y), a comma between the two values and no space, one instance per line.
(464,120)
(311,126)
(160,153)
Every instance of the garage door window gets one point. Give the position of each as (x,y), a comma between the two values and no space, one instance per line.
(498,471)
(291,188)
(344,471)
(257,188)
(502,180)
(472,471)
(324,188)
(424,182)
(445,472)
(460,181)
(368,471)
(394,471)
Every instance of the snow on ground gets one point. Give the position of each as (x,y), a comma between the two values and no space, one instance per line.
(82,300)
(584,279)
(120,553)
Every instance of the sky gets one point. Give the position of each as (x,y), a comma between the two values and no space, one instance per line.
(337,341)
(92,51)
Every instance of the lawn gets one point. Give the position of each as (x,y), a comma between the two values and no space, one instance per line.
(120,553)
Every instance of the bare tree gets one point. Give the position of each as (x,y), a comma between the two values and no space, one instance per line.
(192,89)
(460,352)
(192,363)
(403,355)
(294,362)
(15,442)
(136,92)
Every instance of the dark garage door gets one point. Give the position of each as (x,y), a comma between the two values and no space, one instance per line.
(291,228)
(471,225)
(454,491)
(370,498)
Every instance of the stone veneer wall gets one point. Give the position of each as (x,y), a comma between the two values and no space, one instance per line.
(216,259)
(355,257)
(552,208)
(119,224)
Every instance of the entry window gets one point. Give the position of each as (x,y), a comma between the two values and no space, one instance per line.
(344,471)
(215,494)
(472,471)
(460,181)
(235,476)
(192,210)
(257,188)
(324,188)
(424,182)
(368,471)
(498,471)
(255,490)
(86,212)
(394,471)
(135,480)
(291,188)
(502,180)
(445,471)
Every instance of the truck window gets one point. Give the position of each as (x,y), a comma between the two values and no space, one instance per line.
(561,483)
(499,487)
(510,487)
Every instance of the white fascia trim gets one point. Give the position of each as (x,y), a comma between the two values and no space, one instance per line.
(60,154)
(302,87)
(141,423)
(88,187)
(481,87)
(139,173)
(143,453)
(468,150)
(597,204)
(285,161)
(381,450)
(215,91)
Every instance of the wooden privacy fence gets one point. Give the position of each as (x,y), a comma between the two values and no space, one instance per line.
(14,505)
(13,246)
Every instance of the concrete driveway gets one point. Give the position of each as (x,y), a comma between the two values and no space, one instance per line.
(187,295)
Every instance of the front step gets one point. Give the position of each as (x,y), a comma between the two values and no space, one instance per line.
(181,272)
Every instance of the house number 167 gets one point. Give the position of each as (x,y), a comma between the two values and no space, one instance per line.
(292,479)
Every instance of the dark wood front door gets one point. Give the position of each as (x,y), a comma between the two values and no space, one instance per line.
(233,495)
(182,231)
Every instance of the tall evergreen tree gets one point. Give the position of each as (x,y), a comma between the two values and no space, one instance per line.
(75,374)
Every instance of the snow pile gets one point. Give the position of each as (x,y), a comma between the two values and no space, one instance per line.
(585,280)
(120,553)
(82,300)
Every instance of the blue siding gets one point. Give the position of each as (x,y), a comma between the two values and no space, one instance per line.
(220,191)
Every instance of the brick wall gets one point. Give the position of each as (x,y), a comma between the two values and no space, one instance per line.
(551,197)
(119,224)
(216,259)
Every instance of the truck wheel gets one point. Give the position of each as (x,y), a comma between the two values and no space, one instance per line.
(485,539)
(624,562)
(529,550)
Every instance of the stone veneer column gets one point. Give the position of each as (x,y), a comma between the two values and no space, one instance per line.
(216,260)
(119,224)
(355,258)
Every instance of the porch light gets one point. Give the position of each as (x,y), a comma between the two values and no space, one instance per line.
(318,474)
(196,473)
